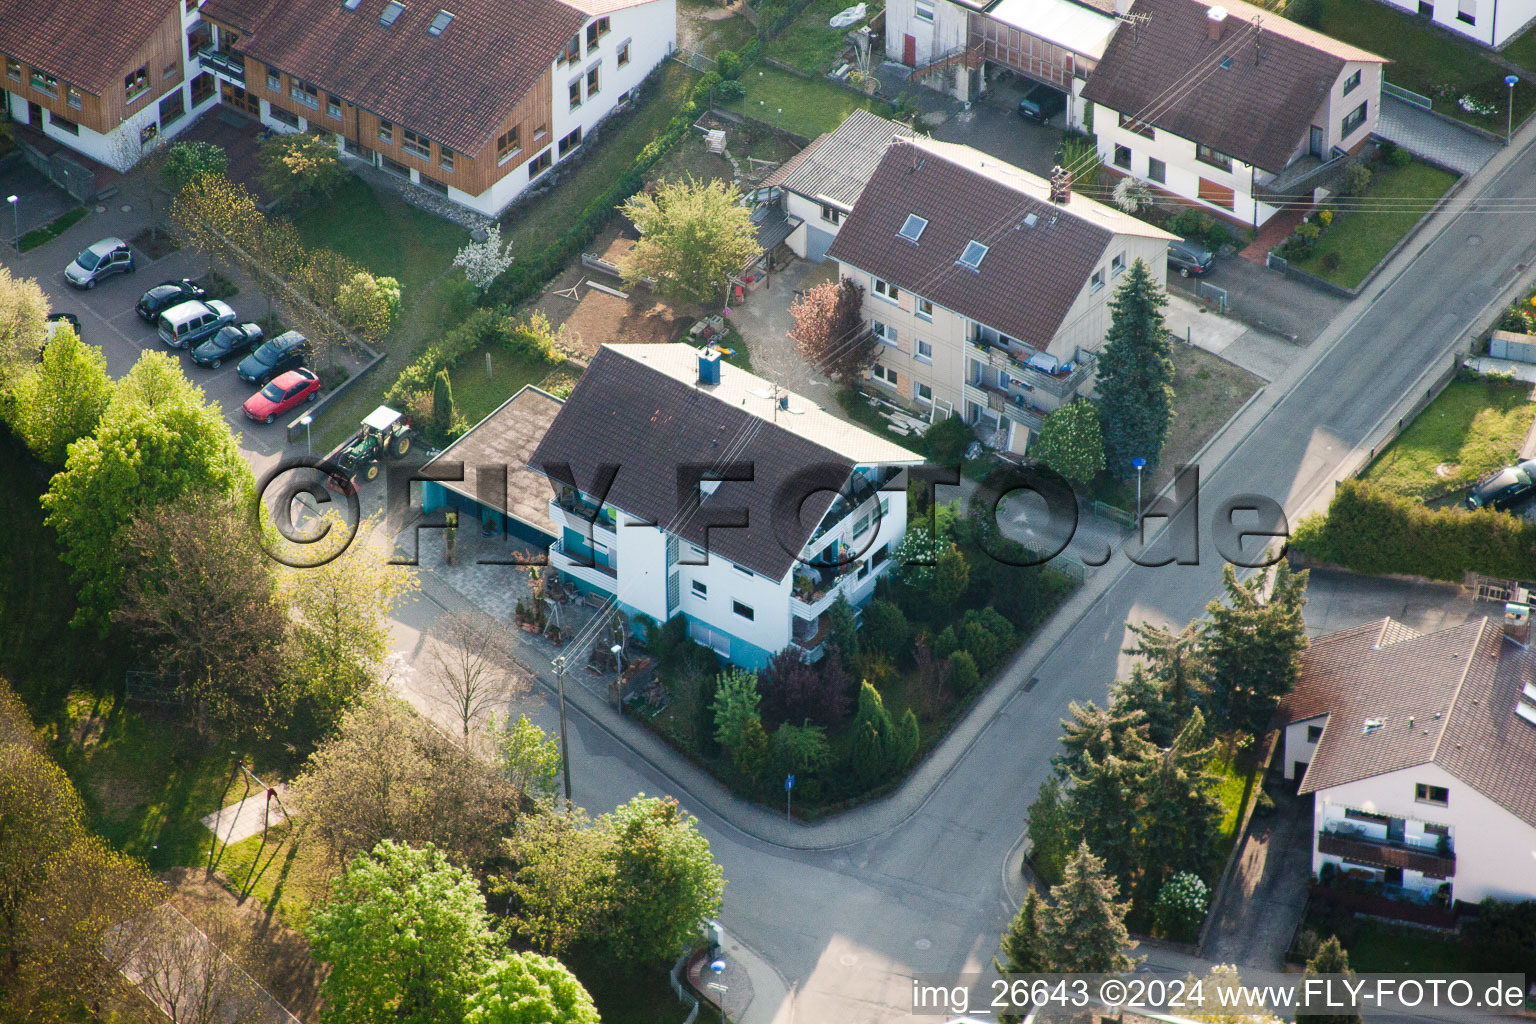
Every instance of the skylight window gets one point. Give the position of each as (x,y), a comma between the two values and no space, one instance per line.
(440,22)
(392,12)
(912,230)
(1030,220)
(972,256)
(350,5)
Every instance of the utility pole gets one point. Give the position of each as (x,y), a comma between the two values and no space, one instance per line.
(565,751)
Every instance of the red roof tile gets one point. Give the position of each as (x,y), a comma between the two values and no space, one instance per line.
(86,43)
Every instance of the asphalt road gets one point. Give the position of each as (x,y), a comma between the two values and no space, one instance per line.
(848,926)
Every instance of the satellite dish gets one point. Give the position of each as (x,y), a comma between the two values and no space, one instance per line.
(761,393)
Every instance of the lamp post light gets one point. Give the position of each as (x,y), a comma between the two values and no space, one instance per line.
(15,202)
(618,672)
(309,441)
(1509,109)
(717,968)
(1140,464)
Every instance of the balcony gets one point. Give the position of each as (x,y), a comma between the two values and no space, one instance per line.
(811,636)
(581,567)
(1005,404)
(223,63)
(1352,842)
(1013,360)
(572,511)
(816,588)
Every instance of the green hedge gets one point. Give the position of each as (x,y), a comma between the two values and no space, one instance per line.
(527,277)
(1373,531)
(482,327)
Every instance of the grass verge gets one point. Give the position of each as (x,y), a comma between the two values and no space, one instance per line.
(1429,62)
(1472,428)
(806,108)
(53,229)
(1362,240)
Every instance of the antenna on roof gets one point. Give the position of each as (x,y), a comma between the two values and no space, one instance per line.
(1258,37)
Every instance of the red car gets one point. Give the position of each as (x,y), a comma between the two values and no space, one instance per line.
(282,394)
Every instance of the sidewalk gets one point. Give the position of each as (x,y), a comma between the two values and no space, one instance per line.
(1262,354)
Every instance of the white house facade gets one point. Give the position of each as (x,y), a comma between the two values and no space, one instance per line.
(1490,22)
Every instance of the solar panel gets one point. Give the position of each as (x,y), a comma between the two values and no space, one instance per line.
(912,230)
(392,12)
(972,256)
(439,23)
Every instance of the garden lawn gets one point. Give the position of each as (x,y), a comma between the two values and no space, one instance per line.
(809,43)
(1238,785)
(477,394)
(809,108)
(1363,240)
(1429,62)
(1474,427)
(53,229)
(1379,947)
(288,871)
(1523,50)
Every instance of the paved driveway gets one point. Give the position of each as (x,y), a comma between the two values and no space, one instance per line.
(1425,135)
(993,126)
(38,200)
(1269,300)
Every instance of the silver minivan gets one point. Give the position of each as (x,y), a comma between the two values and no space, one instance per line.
(189,323)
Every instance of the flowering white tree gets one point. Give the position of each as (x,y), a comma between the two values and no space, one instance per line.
(484,262)
(1132,195)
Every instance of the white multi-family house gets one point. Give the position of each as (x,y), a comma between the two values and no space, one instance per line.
(987,287)
(1231,106)
(1419,751)
(103,78)
(1490,22)
(958,46)
(686,486)
(474,100)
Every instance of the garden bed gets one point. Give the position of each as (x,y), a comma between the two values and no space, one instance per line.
(1474,427)
(808,43)
(53,229)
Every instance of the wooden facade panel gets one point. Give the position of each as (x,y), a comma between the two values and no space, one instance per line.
(533,112)
(161,52)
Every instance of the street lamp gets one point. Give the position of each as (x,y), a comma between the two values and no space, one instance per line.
(309,441)
(15,202)
(1509,110)
(1140,464)
(717,967)
(618,672)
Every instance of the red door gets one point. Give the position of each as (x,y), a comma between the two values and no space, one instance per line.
(909,51)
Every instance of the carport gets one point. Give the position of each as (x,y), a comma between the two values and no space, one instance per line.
(498,487)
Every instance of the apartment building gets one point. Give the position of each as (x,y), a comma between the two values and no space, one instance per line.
(987,286)
(104,78)
(1230,106)
(473,99)
(1419,751)
(686,486)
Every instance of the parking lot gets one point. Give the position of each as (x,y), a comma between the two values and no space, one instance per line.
(108,320)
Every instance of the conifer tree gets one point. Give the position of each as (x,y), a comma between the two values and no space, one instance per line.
(906,738)
(1330,958)
(1178,660)
(1084,929)
(1255,645)
(1136,374)
(1179,814)
(872,737)
(1023,946)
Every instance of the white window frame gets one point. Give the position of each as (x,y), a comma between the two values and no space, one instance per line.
(885,334)
(1117,265)
(918,387)
(879,372)
(1096,282)
(922,308)
(918,345)
(922,10)
(885,290)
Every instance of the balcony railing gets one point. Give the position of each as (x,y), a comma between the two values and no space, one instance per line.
(230,65)
(1062,385)
(581,514)
(582,566)
(1005,404)
(1352,843)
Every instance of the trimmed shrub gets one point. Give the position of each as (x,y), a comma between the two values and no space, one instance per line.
(946,643)
(1357,178)
(947,440)
(1181,906)
(963,674)
(885,629)
(728,64)
(730,90)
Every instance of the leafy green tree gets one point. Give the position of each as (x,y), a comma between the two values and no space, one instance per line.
(1053,832)
(800,749)
(873,737)
(735,704)
(526,988)
(1330,958)
(406,936)
(369,304)
(1085,926)
(562,890)
(296,166)
(40,814)
(885,628)
(1136,374)
(157,441)
(1255,644)
(964,676)
(751,752)
(1023,946)
(63,399)
(185,161)
(529,759)
(23,325)
(694,235)
(1072,443)
(947,441)
(665,881)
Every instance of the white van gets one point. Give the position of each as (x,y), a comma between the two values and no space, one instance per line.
(190,323)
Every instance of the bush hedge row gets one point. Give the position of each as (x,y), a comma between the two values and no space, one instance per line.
(1374,531)
(483,326)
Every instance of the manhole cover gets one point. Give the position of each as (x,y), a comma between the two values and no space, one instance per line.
(126,208)
(1446,469)
(847,959)
(922,944)
(1474,240)
(101,208)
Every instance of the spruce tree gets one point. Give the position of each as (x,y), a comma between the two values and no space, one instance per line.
(442,407)
(1023,946)
(1255,645)
(1176,659)
(1146,694)
(1084,929)
(872,737)
(906,738)
(1136,374)
(1096,732)
(1053,832)
(1180,814)
(1330,958)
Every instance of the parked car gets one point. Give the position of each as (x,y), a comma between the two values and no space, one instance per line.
(282,394)
(232,339)
(1506,488)
(191,323)
(285,352)
(1190,259)
(165,295)
(107,257)
(1041,103)
(52,328)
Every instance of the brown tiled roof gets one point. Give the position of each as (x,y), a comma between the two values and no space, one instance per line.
(508,437)
(1165,70)
(86,43)
(1446,698)
(455,88)
(1030,275)
(649,423)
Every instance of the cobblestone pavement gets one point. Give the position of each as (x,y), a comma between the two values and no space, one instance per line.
(1425,135)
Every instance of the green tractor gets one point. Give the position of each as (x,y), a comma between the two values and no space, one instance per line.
(384,431)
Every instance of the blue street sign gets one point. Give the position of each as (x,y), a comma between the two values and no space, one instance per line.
(1139,462)
(718,966)
(789,782)
(1510,80)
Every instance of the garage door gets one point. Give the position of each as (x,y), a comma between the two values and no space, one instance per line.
(817,242)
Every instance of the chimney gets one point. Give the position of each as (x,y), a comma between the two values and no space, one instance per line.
(1215,21)
(1061,185)
(1517,623)
(709,367)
